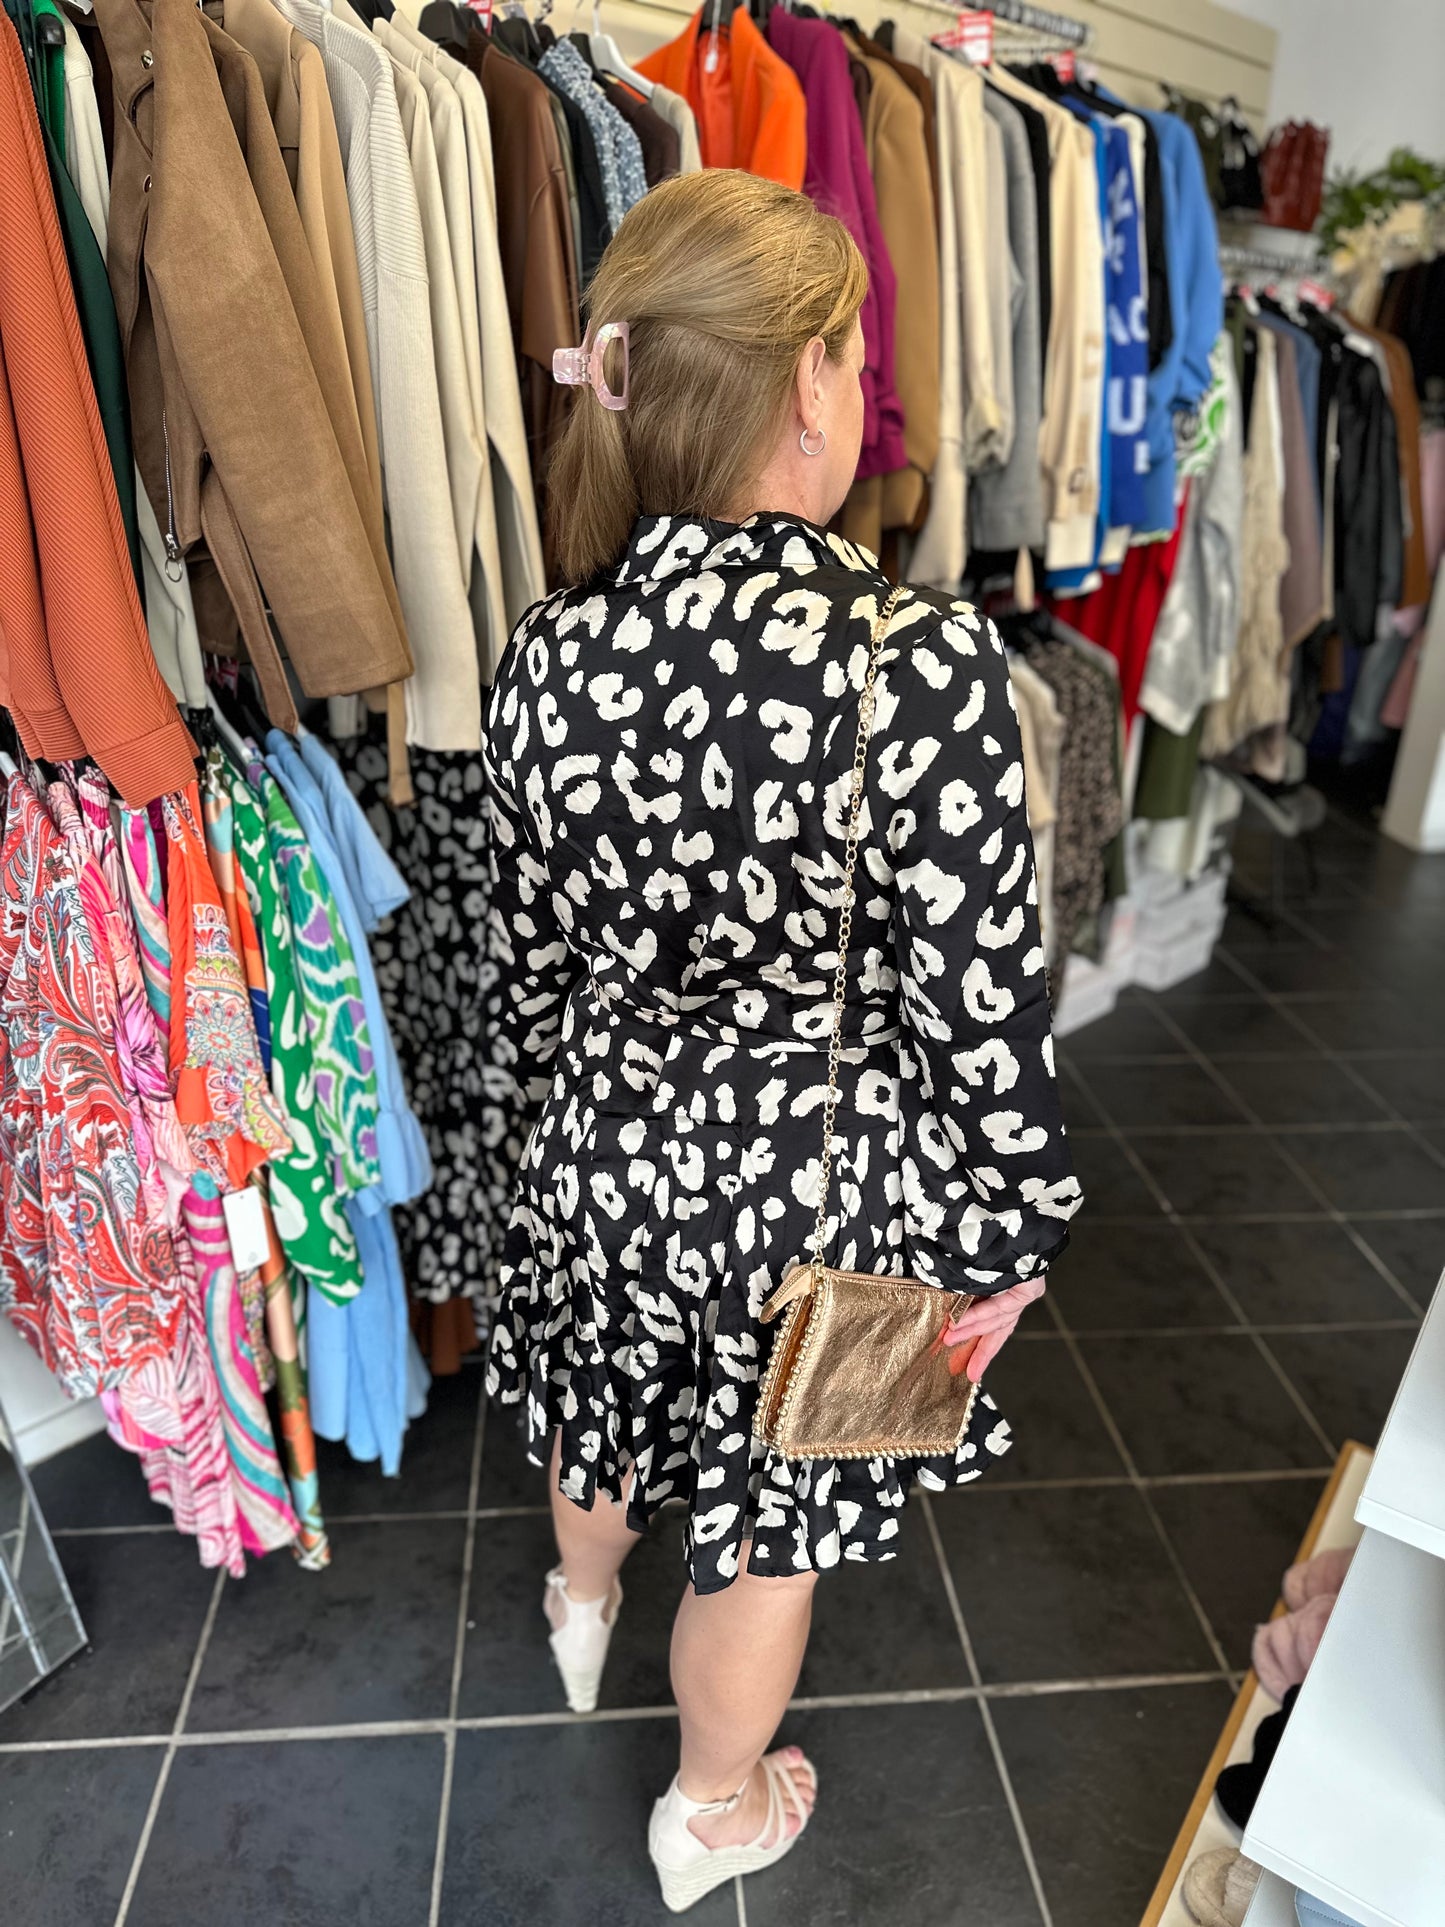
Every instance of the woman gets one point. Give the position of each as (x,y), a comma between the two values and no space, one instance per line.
(671,746)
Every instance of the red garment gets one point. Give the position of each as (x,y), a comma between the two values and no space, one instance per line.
(87,1274)
(1123,612)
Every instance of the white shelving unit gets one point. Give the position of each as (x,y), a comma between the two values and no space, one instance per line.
(1273,1904)
(1353,1810)
(1405,1493)
(1204,1825)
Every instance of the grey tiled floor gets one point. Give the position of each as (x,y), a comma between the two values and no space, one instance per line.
(1008,1720)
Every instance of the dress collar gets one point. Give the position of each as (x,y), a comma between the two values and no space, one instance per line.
(666,545)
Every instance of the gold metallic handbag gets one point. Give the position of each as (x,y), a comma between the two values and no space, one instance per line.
(859,1368)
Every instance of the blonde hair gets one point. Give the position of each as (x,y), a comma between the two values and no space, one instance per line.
(724,279)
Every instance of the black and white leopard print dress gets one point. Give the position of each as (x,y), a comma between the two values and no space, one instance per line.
(669,752)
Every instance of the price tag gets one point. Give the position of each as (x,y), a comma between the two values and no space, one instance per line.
(246,1228)
(483,10)
(1064,65)
(972,35)
(1317,296)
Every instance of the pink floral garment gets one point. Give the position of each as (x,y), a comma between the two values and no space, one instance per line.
(104,1299)
(169,1413)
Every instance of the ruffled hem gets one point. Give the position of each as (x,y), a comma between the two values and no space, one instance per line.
(802,1515)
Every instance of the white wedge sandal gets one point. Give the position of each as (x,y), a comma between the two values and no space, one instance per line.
(688,1868)
(580,1644)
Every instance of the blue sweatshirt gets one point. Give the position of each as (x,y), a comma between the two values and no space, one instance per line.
(1196,303)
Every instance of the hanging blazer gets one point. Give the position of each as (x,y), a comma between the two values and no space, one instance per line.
(750,109)
(294,76)
(839,180)
(898,154)
(233,435)
(77,659)
(520,543)
(534,231)
(443,698)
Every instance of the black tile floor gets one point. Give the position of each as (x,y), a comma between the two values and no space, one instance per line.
(1009,1720)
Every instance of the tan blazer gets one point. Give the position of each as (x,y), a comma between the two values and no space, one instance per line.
(443,698)
(968,409)
(903,180)
(519,541)
(294,76)
(454,287)
(220,315)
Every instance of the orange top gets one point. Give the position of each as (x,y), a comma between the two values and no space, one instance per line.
(750,109)
(97,649)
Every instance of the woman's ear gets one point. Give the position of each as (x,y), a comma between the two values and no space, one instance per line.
(810,394)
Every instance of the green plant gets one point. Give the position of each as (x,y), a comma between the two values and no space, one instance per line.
(1350,200)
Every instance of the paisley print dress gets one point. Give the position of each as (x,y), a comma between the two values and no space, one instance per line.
(670,748)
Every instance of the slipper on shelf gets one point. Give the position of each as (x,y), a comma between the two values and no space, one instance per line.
(1218,1887)
(1325,1573)
(1237,1787)
(1284,1647)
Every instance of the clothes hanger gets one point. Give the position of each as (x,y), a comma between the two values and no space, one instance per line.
(607,55)
(716,27)
(239,708)
(448,25)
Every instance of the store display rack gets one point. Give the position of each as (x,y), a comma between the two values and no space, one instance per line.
(1353,1809)
(1333,1525)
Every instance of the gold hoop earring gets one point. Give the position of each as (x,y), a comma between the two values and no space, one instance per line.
(822,434)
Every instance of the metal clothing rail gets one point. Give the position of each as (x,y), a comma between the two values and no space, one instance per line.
(1060,27)
(1268,262)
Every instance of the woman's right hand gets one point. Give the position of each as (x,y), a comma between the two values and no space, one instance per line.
(990,1321)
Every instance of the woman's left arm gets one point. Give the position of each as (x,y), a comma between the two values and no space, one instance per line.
(988,1185)
(534,966)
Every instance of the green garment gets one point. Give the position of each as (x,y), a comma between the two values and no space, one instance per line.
(345,1086)
(49,70)
(1167,768)
(305,1202)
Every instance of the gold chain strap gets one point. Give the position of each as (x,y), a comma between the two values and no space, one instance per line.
(866,705)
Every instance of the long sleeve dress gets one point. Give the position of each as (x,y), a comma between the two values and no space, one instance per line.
(669,750)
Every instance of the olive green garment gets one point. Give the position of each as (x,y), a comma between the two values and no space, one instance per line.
(1167,768)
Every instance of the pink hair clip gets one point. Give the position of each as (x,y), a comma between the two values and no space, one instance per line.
(579,367)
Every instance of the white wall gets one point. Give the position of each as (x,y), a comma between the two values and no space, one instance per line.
(1372,71)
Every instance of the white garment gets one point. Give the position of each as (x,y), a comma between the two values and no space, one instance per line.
(1041,729)
(439,164)
(443,696)
(523,573)
(1070,439)
(1257,704)
(967,405)
(170,613)
(680,117)
(84,142)
(1189,659)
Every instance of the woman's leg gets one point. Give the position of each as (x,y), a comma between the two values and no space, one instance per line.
(736,1655)
(591,1545)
